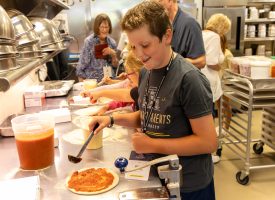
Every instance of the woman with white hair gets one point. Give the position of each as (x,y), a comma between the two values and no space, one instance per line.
(214,37)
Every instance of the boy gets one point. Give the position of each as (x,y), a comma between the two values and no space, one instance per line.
(175,102)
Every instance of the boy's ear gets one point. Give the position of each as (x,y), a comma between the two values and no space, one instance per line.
(168,36)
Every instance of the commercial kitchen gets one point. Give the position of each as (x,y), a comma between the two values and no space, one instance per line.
(41,38)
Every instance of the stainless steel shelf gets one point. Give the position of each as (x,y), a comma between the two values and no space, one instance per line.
(6,79)
(261,1)
(260,20)
(258,39)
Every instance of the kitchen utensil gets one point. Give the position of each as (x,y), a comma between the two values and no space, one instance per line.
(57,88)
(171,173)
(122,163)
(271,30)
(248,52)
(7,49)
(271,14)
(34,135)
(251,31)
(30,48)
(254,13)
(53,47)
(77,159)
(145,193)
(7,64)
(6,27)
(260,69)
(46,30)
(28,38)
(261,50)
(21,24)
(262,30)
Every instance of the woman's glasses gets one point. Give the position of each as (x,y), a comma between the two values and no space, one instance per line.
(104,27)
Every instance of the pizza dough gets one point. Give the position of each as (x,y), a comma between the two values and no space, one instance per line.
(104,180)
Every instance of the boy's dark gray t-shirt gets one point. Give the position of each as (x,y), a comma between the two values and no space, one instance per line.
(185,94)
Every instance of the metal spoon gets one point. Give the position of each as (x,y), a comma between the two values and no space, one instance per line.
(77,159)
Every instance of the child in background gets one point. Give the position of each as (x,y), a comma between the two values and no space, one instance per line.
(132,67)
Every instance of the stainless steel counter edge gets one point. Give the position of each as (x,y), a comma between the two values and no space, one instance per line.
(7,79)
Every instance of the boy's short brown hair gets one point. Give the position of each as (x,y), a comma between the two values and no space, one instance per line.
(148,13)
(99,19)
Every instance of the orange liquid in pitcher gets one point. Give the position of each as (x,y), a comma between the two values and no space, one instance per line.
(36,151)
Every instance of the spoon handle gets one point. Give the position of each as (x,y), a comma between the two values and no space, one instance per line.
(85,144)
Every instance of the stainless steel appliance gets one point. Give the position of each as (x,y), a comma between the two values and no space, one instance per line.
(235,10)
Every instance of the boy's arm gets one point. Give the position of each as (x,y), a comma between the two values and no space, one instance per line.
(131,120)
(202,141)
(199,62)
(122,94)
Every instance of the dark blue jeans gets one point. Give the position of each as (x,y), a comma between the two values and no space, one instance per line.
(207,193)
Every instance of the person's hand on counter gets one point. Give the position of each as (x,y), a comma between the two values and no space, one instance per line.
(103,121)
(94,96)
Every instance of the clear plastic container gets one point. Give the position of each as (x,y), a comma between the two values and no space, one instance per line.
(89,84)
(34,136)
(83,123)
(234,65)
(245,68)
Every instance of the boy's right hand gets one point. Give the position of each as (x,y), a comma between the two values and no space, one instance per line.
(103,122)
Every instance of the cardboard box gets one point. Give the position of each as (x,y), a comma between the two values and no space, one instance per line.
(34,96)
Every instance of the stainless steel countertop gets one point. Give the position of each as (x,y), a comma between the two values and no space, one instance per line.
(52,179)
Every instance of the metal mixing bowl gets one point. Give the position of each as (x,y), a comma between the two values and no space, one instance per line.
(21,25)
(6,27)
(28,38)
(7,49)
(53,47)
(37,54)
(33,47)
(13,12)
(46,30)
(7,64)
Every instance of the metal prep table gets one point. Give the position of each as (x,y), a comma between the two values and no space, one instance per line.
(251,94)
(52,179)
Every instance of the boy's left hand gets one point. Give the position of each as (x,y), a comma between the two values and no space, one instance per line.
(142,143)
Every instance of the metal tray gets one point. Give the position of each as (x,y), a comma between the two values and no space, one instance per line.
(57,88)
(258,84)
(244,101)
(260,95)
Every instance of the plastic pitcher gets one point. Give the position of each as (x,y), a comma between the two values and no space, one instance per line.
(34,136)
